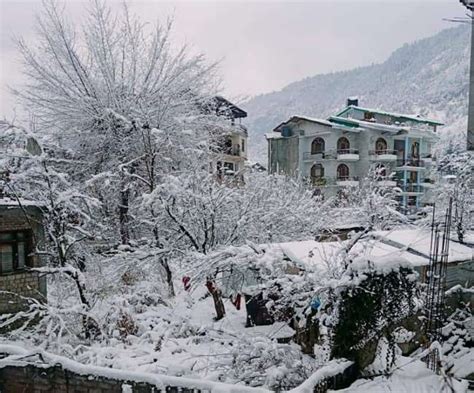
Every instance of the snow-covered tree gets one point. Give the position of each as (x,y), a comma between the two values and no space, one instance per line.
(120,97)
(67,210)
(375,200)
(201,213)
(456,179)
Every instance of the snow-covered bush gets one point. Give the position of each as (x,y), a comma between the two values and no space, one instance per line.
(370,305)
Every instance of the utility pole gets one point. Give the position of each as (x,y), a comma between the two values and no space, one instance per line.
(469,4)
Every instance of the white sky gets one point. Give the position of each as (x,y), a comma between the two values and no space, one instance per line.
(262,45)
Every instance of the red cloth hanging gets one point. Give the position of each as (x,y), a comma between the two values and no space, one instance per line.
(187,283)
(236,301)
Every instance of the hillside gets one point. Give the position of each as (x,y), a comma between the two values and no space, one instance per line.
(429,77)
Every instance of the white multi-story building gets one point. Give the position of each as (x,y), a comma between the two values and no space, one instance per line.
(337,152)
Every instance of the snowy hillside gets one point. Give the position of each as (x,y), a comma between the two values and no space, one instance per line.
(429,77)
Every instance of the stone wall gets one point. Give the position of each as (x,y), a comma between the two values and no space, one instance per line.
(21,284)
(32,379)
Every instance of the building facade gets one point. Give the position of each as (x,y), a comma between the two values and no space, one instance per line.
(337,153)
(21,232)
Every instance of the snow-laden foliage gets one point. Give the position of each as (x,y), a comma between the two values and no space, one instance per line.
(456,179)
(147,253)
(116,96)
(371,305)
(201,214)
(374,201)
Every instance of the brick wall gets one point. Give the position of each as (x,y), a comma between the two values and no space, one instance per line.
(32,379)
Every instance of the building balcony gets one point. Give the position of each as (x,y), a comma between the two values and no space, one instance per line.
(383,155)
(331,181)
(410,164)
(412,189)
(348,154)
(427,157)
(233,150)
(347,181)
(319,181)
(386,182)
(309,156)
(428,183)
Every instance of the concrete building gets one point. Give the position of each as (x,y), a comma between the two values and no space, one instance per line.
(231,153)
(338,152)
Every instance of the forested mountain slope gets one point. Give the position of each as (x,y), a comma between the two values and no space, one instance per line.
(428,77)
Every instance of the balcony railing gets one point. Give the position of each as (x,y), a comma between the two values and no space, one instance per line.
(311,155)
(382,152)
(387,180)
(414,188)
(331,181)
(319,181)
(329,154)
(347,151)
(347,179)
(412,162)
(232,151)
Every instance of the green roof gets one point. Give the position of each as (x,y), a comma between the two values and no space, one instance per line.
(399,117)
(344,121)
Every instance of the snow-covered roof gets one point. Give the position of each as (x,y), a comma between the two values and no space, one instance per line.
(296,118)
(420,240)
(401,116)
(356,125)
(273,135)
(412,245)
(13,203)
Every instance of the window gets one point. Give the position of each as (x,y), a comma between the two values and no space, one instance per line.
(342,172)
(229,168)
(228,146)
(243,145)
(413,177)
(317,146)
(13,255)
(411,201)
(380,145)
(343,145)
(317,174)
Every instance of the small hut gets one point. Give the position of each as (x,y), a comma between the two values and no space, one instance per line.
(21,232)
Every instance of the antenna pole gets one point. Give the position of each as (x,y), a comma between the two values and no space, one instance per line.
(470,119)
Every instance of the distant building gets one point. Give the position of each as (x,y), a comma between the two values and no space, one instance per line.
(336,153)
(230,153)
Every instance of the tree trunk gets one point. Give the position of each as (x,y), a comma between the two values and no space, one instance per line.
(217,297)
(123,215)
(169,276)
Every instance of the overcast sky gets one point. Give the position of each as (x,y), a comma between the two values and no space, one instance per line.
(262,45)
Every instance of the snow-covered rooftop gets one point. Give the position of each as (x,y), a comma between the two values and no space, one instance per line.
(412,245)
(12,203)
(297,118)
(401,116)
